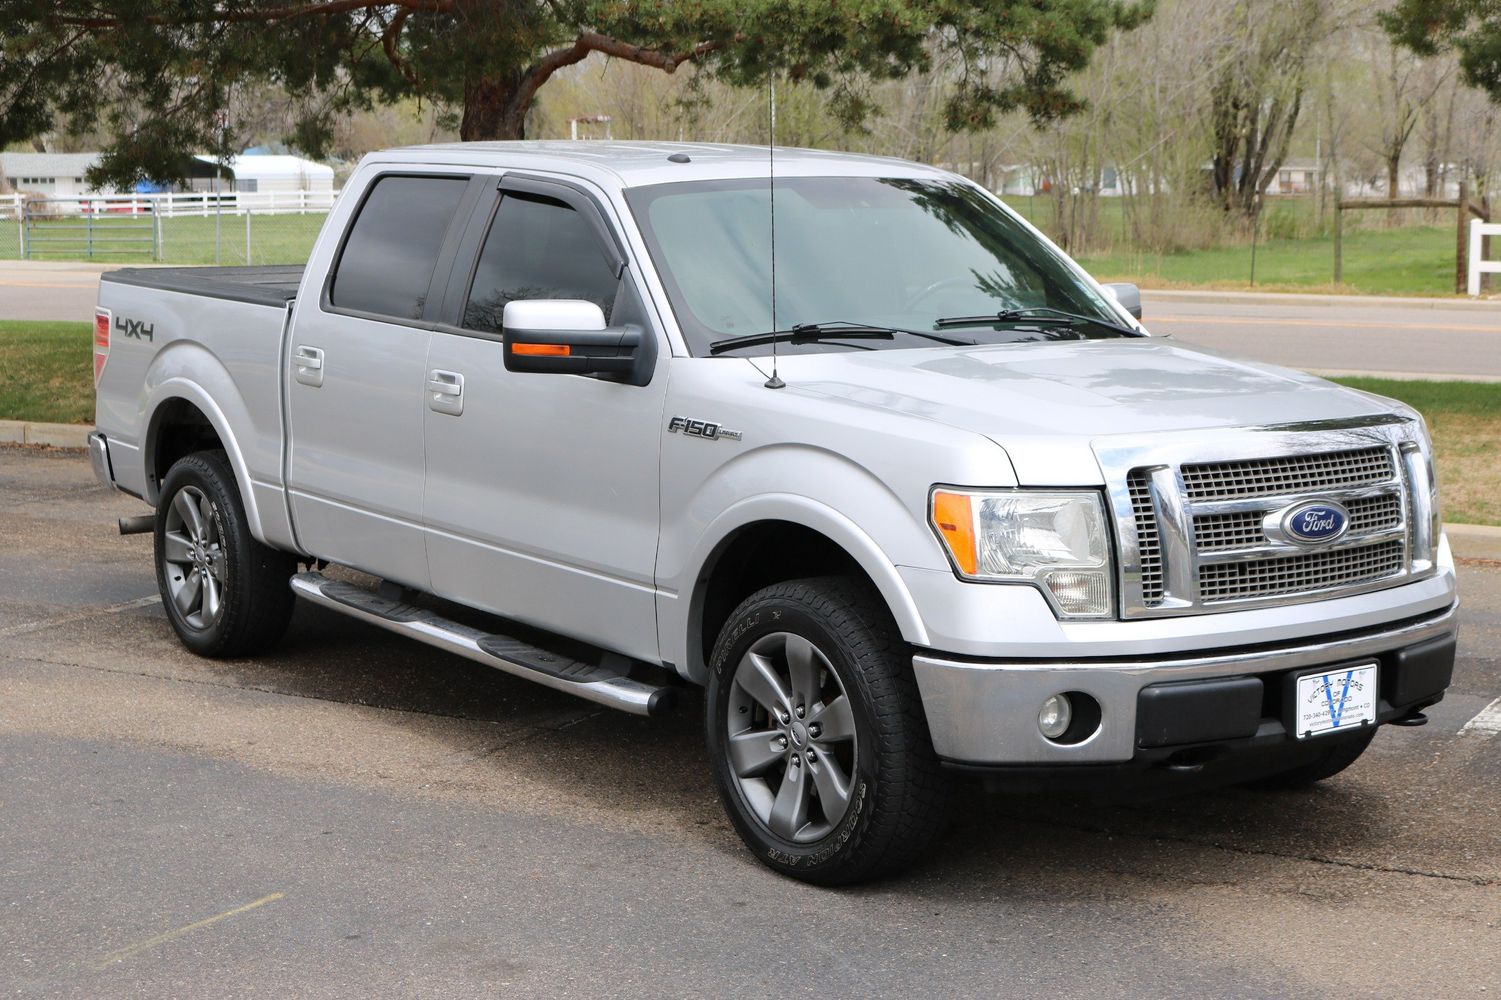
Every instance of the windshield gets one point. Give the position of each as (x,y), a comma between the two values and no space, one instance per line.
(891,252)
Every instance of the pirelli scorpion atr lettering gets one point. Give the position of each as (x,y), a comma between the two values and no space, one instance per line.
(979,518)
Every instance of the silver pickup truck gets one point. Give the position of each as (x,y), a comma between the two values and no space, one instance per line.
(857,449)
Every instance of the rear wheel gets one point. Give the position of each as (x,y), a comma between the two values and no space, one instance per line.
(225,593)
(817,737)
(1325,762)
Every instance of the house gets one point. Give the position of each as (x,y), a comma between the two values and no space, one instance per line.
(56,175)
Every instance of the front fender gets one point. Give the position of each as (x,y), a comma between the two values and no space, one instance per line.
(848,499)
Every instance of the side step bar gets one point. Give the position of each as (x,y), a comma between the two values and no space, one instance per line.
(606,684)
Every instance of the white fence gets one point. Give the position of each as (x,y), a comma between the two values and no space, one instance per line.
(194,227)
(169,204)
(1478,264)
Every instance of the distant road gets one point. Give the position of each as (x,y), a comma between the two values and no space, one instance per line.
(1455,339)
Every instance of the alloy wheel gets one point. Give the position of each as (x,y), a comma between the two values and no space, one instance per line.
(791,738)
(195,557)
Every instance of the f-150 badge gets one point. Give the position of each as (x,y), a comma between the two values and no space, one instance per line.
(706,429)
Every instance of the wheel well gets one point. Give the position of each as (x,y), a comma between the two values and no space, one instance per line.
(178,428)
(759,555)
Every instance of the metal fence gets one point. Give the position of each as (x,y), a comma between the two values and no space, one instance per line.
(244,227)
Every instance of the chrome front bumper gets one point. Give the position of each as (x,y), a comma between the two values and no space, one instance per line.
(986,712)
(99,459)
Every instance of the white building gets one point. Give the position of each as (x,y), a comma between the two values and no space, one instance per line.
(264,173)
(57,175)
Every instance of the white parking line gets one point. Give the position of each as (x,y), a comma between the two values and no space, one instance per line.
(1487,723)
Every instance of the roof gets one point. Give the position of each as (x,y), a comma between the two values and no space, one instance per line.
(631,164)
(16,165)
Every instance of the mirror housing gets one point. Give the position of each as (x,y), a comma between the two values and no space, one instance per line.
(1128,295)
(569,337)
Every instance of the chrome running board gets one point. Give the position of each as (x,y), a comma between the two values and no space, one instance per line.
(606,683)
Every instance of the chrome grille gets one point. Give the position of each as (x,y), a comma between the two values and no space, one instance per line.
(1242,529)
(1206,533)
(1149,545)
(1375,513)
(1290,474)
(1300,574)
(1238,530)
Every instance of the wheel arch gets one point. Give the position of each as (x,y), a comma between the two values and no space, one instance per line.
(809,539)
(185,418)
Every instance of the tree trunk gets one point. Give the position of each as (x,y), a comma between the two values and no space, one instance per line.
(495,108)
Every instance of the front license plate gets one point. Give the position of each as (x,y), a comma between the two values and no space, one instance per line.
(1336,701)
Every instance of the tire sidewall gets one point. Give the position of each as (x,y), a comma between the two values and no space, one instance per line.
(746,625)
(204,472)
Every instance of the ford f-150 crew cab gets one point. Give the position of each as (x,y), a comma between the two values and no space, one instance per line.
(930,499)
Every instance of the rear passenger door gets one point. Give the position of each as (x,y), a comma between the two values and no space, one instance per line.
(355,379)
(542,488)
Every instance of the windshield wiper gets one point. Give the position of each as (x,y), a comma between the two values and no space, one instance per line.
(1039,314)
(838,329)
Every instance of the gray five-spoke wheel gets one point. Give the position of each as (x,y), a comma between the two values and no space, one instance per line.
(791,735)
(195,558)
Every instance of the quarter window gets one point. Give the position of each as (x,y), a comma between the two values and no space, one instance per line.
(387,263)
(537,248)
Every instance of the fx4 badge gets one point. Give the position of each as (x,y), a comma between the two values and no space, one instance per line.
(706,429)
(139,329)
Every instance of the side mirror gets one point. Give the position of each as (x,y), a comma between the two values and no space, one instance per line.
(569,337)
(1128,295)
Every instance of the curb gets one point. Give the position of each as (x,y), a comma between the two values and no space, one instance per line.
(49,435)
(1313,299)
(1474,541)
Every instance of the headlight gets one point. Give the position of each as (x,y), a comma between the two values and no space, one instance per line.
(1054,539)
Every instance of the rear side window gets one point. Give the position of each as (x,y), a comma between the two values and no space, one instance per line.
(537,248)
(388,259)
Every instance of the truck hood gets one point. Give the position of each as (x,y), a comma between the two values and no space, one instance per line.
(1048,403)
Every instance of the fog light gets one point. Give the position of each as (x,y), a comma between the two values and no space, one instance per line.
(1055,716)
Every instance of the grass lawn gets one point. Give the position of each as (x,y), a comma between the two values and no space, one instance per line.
(185,239)
(46,372)
(1416,260)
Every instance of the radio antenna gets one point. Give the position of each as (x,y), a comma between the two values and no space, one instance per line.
(775,382)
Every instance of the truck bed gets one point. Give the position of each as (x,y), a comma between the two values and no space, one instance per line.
(265,285)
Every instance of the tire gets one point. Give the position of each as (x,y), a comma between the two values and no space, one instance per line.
(225,593)
(825,641)
(1325,763)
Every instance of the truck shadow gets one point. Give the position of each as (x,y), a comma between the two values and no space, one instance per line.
(626,768)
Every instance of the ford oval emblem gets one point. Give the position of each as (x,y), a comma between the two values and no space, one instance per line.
(1315,521)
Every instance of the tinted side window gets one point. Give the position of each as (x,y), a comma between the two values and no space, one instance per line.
(388,259)
(537,248)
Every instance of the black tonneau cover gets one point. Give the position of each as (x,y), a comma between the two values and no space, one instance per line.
(268,285)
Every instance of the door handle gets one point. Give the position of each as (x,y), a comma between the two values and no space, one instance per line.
(445,392)
(309,364)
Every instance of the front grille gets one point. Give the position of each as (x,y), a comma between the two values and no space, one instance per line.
(1313,571)
(1229,559)
(1242,529)
(1148,543)
(1292,474)
(1378,513)
(1220,532)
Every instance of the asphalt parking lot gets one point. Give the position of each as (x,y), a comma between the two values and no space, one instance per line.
(355,815)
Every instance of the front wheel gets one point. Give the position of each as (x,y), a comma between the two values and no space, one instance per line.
(225,593)
(817,736)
